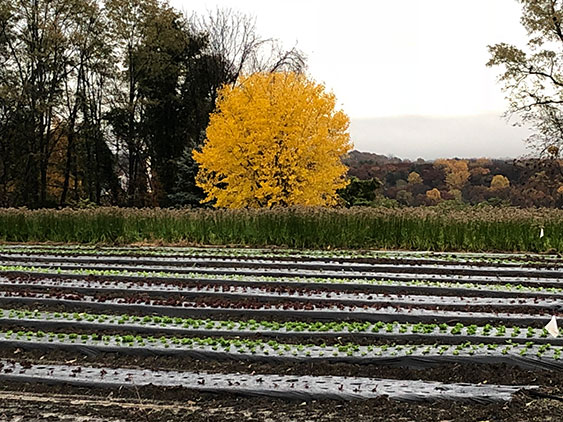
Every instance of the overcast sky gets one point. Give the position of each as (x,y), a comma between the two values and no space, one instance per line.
(410,73)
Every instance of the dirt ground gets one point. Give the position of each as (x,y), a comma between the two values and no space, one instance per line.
(44,403)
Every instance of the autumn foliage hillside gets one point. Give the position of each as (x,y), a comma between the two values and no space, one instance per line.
(525,183)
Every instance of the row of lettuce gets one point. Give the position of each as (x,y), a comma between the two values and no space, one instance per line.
(273,253)
(132,322)
(199,276)
(274,348)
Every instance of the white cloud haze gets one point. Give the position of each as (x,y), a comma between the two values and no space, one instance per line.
(387,59)
(437,137)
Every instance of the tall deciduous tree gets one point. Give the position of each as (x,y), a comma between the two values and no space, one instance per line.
(36,50)
(275,139)
(360,192)
(414,178)
(533,75)
(233,47)
(499,182)
(163,99)
(457,172)
(233,36)
(433,195)
(53,64)
(128,22)
(88,165)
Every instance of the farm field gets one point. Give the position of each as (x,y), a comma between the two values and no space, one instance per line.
(214,333)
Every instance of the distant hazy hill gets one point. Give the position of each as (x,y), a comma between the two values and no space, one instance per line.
(359,157)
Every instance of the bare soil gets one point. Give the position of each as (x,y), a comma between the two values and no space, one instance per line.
(55,403)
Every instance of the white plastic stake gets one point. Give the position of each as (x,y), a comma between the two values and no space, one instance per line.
(551,327)
(541,232)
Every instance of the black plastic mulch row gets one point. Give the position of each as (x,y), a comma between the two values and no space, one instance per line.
(269,264)
(529,362)
(289,387)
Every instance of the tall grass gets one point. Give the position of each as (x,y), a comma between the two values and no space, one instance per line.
(433,228)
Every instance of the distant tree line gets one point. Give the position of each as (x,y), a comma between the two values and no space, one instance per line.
(394,182)
(103,102)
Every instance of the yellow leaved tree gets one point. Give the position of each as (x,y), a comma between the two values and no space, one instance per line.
(457,172)
(275,139)
(499,182)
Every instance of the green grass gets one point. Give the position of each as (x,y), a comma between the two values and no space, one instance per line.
(432,228)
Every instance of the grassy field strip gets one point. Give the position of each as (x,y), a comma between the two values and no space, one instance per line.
(532,281)
(276,264)
(472,229)
(207,309)
(380,330)
(526,356)
(340,284)
(240,292)
(291,387)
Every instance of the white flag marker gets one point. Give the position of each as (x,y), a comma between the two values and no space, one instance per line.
(551,327)
(541,232)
